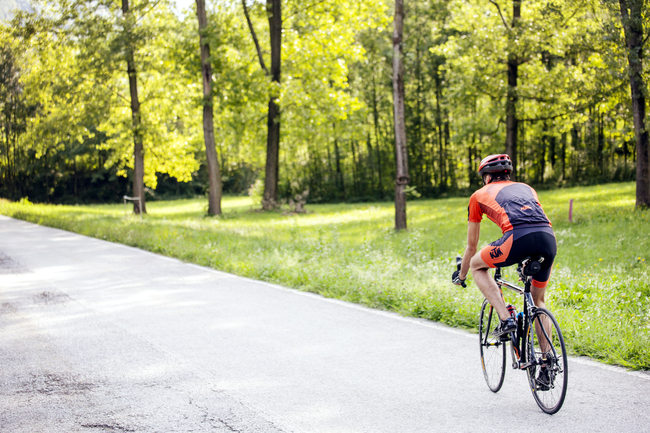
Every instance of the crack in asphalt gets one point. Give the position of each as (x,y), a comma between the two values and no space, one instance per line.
(111,427)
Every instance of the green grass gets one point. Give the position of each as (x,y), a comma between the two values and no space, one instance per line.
(599,289)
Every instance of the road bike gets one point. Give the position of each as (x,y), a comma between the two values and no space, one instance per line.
(537,346)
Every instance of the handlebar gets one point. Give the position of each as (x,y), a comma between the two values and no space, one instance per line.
(459,262)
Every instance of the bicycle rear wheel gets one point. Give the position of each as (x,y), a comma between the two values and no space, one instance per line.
(545,350)
(493,350)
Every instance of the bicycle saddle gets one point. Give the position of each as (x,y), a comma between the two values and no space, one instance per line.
(530,266)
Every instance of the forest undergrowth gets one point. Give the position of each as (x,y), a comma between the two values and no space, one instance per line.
(599,288)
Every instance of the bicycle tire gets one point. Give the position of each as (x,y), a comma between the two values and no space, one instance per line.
(549,400)
(493,350)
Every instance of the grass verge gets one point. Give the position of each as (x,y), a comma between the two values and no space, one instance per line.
(599,288)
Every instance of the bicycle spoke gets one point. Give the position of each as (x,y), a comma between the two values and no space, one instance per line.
(493,351)
(548,375)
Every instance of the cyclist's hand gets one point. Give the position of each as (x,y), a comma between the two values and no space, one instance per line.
(455,278)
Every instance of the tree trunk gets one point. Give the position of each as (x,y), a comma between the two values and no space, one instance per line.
(375,117)
(274,11)
(451,172)
(511,114)
(601,143)
(631,14)
(356,176)
(370,163)
(470,159)
(340,184)
(419,165)
(214,175)
(401,151)
(330,168)
(522,151)
(563,155)
(552,150)
(138,149)
(512,97)
(442,180)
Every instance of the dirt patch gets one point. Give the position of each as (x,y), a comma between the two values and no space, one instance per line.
(8,266)
(50,298)
(54,384)
(7,307)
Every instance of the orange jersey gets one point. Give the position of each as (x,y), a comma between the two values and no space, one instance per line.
(507,204)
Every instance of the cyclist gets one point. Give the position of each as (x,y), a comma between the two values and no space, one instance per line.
(527,232)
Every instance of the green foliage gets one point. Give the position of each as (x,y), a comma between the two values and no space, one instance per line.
(599,289)
(337,140)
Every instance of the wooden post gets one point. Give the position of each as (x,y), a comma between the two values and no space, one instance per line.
(571,210)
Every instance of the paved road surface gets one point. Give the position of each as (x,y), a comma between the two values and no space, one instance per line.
(98,337)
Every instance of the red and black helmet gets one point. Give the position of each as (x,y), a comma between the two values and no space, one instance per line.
(495,164)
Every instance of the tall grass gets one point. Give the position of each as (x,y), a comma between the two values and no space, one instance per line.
(599,288)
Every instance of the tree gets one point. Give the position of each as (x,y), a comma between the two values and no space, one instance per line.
(128,23)
(214,175)
(401,151)
(512,97)
(274,15)
(632,18)
(514,60)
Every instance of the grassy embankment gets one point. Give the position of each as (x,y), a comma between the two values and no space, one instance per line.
(599,288)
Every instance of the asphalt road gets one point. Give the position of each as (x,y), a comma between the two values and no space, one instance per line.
(98,337)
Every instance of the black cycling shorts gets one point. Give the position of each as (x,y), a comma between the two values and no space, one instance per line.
(519,243)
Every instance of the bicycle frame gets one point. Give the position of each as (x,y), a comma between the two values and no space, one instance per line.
(518,341)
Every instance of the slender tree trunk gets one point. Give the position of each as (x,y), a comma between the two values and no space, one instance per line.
(512,97)
(138,149)
(74,174)
(631,14)
(356,178)
(214,175)
(442,182)
(8,148)
(418,108)
(340,185)
(522,152)
(450,170)
(401,150)
(375,116)
(330,167)
(370,162)
(274,11)
(563,155)
(552,150)
(601,143)
(14,135)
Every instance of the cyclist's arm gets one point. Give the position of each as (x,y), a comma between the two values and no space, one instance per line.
(473,233)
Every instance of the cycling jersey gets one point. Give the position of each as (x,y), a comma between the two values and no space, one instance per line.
(526,229)
(507,204)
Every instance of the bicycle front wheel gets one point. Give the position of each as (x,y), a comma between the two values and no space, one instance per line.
(546,354)
(493,350)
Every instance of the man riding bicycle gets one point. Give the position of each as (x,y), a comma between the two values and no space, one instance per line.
(526,229)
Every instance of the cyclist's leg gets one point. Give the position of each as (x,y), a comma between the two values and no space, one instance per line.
(538,298)
(488,286)
(491,256)
(546,246)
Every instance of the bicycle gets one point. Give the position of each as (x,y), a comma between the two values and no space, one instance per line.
(531,347)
